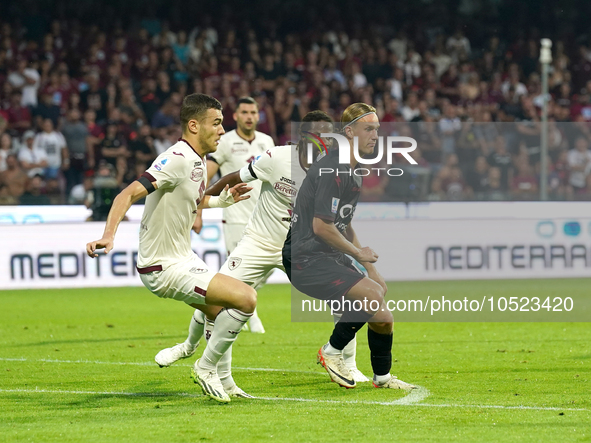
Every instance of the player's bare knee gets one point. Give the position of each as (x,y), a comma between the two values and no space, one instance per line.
(382,327)
(248,300)
(376,293)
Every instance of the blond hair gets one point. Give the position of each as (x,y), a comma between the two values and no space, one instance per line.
(354,112)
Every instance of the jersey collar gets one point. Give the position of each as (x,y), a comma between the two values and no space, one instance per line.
(194,150)
(248,141)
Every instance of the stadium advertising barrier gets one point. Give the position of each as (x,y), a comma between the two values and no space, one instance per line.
(542,246)
(479,249)
(53,255)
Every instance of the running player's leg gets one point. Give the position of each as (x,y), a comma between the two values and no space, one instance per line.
(168,356)
(233,235)
(225,367)
(341,285)
(193,283)
(380,338)
(238,301)
(370,295)
(251,264)
(350,354)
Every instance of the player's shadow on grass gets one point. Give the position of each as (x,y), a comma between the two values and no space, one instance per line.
(99,340)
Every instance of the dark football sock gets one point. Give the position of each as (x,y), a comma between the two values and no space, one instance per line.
(345,330)
(380,347)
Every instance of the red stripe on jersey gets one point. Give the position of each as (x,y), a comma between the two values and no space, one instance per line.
(149,269)
(148,176)
(200,291)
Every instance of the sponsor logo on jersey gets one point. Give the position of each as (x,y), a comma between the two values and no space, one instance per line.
(239,149)
(234,262)
(197,164)
(346,211)
(196,174)
(285,189)
(158,166)
(335,205)
(287,180)
(198,270)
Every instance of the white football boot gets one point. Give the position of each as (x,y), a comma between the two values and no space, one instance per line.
(394,383)
(168,356)
(335,366)
(235,391)
(210,383)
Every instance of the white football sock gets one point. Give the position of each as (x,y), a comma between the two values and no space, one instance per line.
(225,369)
(225,363)
(227,326)
(195,329)
(330,350)
(208,329)
(349,353)
(381,378)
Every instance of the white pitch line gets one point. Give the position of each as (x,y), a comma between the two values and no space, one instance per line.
(307,400)
(414,398)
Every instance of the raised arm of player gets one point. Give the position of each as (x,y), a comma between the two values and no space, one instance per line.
(134,192)
(229,180)
(228,196)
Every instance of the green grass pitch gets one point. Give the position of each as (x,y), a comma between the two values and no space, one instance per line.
(77,365)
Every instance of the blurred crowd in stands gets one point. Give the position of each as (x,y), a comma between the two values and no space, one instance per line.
(78,102)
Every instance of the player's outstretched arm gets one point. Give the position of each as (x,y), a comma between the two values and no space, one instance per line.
(230,180)
(121,205)
(327,231)
(227,197)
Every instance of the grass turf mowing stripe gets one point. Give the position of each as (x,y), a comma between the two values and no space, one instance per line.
(309,400)
(122,363)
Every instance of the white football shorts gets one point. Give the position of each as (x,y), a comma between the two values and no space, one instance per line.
(186,281)
(251,262)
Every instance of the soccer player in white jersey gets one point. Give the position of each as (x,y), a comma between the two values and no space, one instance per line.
(174,188)
(237,148)
(259,251)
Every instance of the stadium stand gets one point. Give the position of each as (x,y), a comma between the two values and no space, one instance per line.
(467,88)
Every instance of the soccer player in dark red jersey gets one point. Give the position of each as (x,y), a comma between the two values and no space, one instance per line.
(322,242)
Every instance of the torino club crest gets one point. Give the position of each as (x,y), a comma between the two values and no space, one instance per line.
(196,174)
(233,263)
